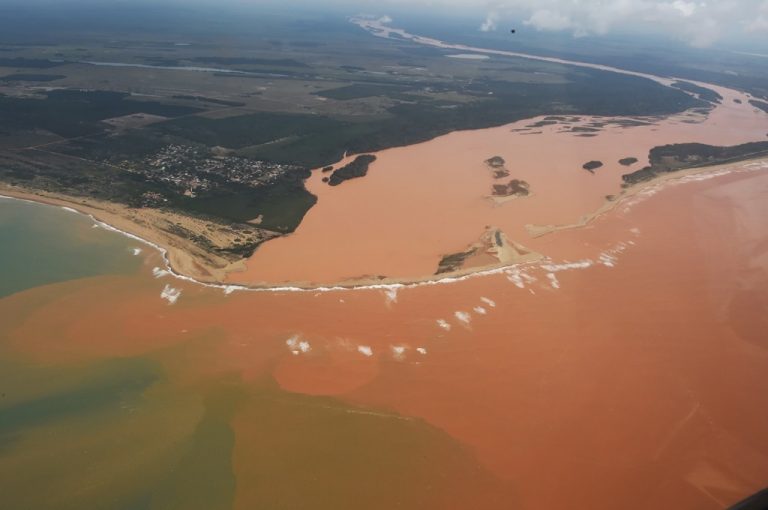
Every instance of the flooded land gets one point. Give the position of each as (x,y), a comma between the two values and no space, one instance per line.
(422,202)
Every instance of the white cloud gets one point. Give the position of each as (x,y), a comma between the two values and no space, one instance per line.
(490,23)
(697,22)
(547,19)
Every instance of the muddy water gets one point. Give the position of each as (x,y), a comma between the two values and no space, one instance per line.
(421,202)
(626,372)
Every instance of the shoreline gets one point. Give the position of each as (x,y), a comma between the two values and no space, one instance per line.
(177,260)
(181,256)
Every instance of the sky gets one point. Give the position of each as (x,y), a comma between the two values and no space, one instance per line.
(699,23)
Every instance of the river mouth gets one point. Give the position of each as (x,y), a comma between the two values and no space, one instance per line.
(422,204)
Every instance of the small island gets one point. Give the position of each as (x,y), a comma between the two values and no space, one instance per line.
(591,166)
(628,161)
(495,162)
(357,168)
(327,168)
(514,188)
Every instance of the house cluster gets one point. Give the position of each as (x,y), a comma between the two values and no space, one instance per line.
(194,170)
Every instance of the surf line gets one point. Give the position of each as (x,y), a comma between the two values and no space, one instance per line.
(744,167)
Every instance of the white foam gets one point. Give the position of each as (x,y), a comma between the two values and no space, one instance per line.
(365,350)
(443,324)
(136,251)
(553,281)
(489,302)
(229,289)
(480,310)
(463,317)
(170,294)
(398,352)
(516,278)
(554,268)
(159,273)
(607,259)
(391,295)
(298,346)
(69,209)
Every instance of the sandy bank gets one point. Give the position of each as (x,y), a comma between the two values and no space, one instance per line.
(154,227)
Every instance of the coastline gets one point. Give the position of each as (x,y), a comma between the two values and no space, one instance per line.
(188,262)
(634,190)
(182,256)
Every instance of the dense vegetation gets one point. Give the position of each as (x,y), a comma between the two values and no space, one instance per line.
(759,104)
(357,168)
(32,77)
(671,158)
(703,93)
(591,166)
(628,161)
(72,113)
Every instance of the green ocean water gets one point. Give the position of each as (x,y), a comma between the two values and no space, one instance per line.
(43,244)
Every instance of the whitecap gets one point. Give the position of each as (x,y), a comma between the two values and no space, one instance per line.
(365,350)
(553,281)
(553,268)
(398,352)
(170,294)
(463,317)
(159,273)
(443,324)
(489,302)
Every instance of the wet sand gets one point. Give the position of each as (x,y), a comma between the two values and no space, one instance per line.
(626,374)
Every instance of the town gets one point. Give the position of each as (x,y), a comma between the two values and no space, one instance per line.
(196,169)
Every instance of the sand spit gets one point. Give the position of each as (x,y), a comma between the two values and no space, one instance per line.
(510,264)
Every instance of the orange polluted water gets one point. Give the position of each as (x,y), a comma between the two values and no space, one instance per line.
(421,202)
(627,372)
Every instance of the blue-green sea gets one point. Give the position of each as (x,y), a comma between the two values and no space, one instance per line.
(42,244)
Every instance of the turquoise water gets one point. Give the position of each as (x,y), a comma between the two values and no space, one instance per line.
(43,244)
